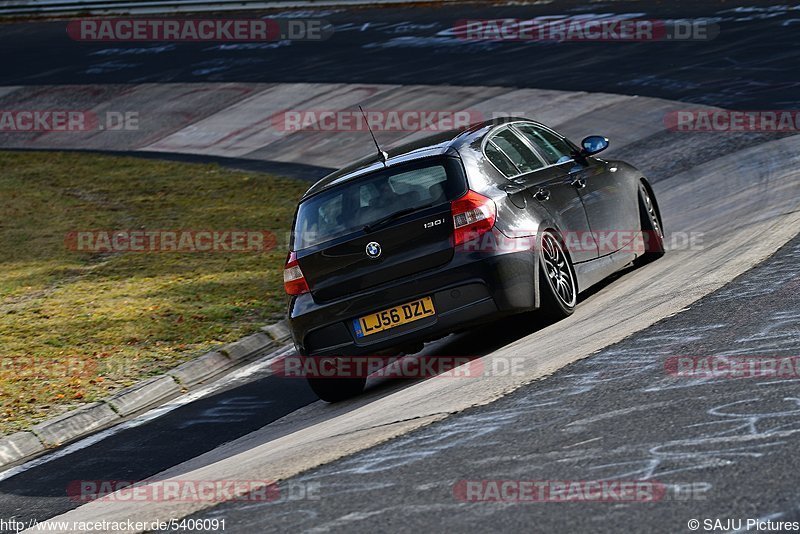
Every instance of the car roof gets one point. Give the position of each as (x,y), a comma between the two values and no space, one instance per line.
(438,144)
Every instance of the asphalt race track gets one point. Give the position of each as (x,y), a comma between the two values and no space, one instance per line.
(725,447)
(594,399)
(746,66)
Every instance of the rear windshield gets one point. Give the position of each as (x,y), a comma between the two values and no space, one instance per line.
(350,206)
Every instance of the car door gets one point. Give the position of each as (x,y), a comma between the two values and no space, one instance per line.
(612,217)
(610,202)
(610,207)
(547,185)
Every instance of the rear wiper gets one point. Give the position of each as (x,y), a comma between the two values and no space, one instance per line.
(389,218)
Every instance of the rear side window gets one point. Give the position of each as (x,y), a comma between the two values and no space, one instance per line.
(554,149)
(500,160)
(350,206)
(523,158)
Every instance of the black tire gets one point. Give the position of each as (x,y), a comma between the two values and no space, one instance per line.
(336,389)
(557,284)
(652,227)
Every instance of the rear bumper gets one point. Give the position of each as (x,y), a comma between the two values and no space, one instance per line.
(474,286)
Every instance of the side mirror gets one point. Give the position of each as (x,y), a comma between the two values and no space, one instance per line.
(594,144)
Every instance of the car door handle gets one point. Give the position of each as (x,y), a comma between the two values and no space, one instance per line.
(513,189)
(579,182)
(542,194)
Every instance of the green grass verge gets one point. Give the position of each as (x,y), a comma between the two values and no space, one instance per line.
(75,326)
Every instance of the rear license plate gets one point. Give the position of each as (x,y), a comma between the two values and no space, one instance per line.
(399,315)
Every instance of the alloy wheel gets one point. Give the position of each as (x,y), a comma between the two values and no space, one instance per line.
(558,270)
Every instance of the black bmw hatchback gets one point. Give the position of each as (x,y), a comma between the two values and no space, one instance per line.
(505,217)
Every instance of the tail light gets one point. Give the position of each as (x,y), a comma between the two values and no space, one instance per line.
(293,280)
(473,216)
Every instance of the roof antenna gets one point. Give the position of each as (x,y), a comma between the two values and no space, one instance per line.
(381,154)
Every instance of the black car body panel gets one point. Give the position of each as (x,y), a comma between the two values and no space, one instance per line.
(470,287)
(468,282)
